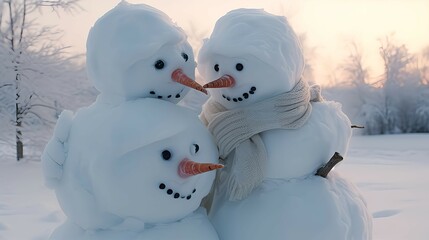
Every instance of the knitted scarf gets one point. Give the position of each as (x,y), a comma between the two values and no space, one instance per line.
(236,133)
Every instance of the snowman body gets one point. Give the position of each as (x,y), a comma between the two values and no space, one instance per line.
(291,202)
(115,165)
(251,58)
(119,183)
(297,153)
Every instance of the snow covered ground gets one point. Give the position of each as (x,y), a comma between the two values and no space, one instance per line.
(392,172)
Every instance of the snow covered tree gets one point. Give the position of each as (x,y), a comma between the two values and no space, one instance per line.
(364,98)
(423,65)
(395,102)
(401,79)
(421,122)
(31,59)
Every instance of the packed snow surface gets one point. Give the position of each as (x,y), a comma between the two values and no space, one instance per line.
(392,171)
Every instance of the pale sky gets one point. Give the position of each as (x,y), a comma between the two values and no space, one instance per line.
(329,24)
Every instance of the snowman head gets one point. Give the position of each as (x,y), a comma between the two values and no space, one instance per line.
(250,56)
(136,51)
(147,167)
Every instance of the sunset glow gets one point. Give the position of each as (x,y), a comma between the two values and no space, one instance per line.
(330,25)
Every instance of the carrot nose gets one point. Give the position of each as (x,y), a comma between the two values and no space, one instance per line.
(222,82)
(180,77)
(189,168)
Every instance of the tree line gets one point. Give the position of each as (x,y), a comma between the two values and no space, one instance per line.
(395,102)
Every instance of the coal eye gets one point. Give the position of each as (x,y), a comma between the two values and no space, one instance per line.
(185,56)
(239,66)
(196,148)
(166,155)
(159,64)
(216,67)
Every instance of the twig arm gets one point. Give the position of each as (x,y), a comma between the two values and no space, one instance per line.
(325,169)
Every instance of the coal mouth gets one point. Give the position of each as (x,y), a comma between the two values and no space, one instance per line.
(153,94)
(175,194)
(243,96)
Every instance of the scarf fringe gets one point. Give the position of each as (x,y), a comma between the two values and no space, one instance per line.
(236,190)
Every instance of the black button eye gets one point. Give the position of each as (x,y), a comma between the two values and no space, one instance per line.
(216,67)
(185,56)
(159,64)
(239,66)
(195,148)
(166,155)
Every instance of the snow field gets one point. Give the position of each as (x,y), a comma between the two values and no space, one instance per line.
(392,173)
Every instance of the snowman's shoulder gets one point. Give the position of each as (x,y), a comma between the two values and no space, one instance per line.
(327,106)
(330,111)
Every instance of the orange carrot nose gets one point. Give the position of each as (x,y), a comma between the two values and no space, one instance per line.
(180,77)
(189,168)
(222,82)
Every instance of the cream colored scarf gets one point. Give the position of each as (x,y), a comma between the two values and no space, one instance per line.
(237,134)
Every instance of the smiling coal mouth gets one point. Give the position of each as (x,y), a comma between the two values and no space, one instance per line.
(175,194)
(154,95)
(243,96)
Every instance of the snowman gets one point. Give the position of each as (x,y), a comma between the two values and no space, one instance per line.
(133,51)
(133,175)
(133,165)
(275,134)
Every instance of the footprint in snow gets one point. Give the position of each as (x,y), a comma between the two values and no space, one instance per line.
(385,213)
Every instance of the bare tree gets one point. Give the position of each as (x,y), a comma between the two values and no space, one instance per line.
(29,53)
(354,69)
